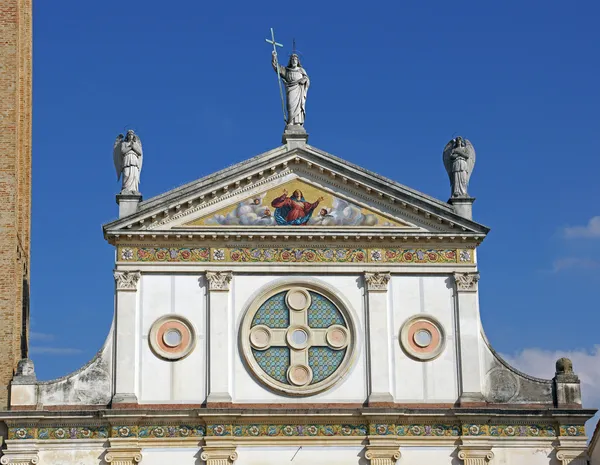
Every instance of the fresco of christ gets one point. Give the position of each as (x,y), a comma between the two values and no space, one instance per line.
(293,210)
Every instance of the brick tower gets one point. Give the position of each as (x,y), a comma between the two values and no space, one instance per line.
(15,185)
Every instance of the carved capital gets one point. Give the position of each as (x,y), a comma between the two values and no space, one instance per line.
(377,281)
(19,458)
(382,455)
(475,456)
(219,280)
(572,456)
(466,282)
(127,280)
(214,455)
(123,455)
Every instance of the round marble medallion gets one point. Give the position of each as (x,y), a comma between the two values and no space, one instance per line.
(300,375)
(422,337)
(172,337)
(298,299)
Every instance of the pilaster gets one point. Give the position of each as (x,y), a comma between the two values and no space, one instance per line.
(123,455)
(21,452)
(572,451)
(376,285)
(467,315)
(224,454)
(219,336)
(473,455)
(383,452)
(126,336)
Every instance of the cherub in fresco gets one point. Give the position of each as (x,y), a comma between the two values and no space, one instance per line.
(294,210)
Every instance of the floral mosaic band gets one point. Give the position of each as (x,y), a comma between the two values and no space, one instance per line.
(293,430)
(294,255)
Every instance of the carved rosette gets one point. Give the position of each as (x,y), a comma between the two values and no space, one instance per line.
(382,455)
(377,282)
(127,280)
(123,456)
(475,456)
(218,456)
(466,282)
(572,457)
(219,280)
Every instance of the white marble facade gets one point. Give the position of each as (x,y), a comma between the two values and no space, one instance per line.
(176,382)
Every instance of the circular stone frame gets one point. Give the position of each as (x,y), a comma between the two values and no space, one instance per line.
(164,324)
(414,348)
(299,382)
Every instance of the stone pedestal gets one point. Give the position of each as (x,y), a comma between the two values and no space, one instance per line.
(567,388)
(126,336)
(376,286)
(463,206)
(220,342)
(467,315)
(128,204)
(294,136)
(23,387)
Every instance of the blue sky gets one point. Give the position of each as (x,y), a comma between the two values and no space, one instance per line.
(391,83)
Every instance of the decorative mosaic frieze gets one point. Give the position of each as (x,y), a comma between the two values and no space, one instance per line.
(298,255)
(255,430)
(293,430)
(163,254)
(170,431)
(572,430)
(428,430)
(509,430)
(94,432)
(350,255)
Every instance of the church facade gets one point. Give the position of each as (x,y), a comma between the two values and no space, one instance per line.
(296,308)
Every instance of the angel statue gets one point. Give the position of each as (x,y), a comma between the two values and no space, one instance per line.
(128,156)
(459,160)
(296,86)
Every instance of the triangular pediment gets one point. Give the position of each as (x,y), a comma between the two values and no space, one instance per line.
(298,202)
(295,190)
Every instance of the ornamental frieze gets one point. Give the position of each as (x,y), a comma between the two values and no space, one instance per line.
(351,255)
(265,430)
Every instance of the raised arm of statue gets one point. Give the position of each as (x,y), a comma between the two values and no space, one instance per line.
(276,67)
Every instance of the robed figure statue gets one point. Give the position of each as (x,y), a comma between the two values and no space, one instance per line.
(128,157)
(459,160)
(296,86)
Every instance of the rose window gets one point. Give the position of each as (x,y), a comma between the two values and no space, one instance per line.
(298,340)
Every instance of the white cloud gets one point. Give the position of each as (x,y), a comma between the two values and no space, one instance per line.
(35,336)
(569,263)
(586,364)
(54,350)
(591,230)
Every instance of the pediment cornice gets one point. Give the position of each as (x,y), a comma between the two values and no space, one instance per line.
(163,215)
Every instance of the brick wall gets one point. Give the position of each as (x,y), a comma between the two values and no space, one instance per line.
(15,184)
